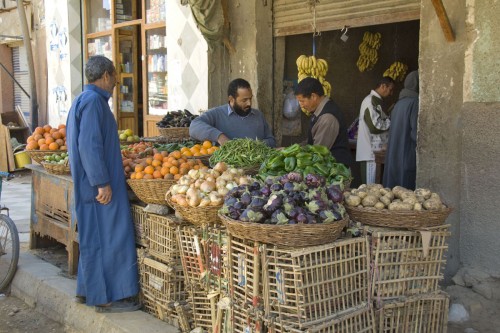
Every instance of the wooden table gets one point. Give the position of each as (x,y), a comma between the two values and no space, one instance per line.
(53,217)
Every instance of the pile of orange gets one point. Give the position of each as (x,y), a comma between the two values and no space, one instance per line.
(47,138)
(162,165)
(202,149)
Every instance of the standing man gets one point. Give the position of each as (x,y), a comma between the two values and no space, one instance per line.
(327,125)
(107,267)
(236,119)
(373,128)
(401,158)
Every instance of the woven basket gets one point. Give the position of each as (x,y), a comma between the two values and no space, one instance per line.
(56,169)
(37,155)
(398,219)
(198,216)
(151,191)
(174,132)
(251,170)
(291,235)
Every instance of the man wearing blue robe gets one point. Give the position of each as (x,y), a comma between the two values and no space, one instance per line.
(107,267)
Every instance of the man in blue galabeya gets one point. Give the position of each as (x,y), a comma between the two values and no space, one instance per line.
(107,267)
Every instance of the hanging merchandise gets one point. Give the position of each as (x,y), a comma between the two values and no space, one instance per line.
(368,55)
(397,71)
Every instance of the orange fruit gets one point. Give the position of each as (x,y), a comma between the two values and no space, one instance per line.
(211,150)
(187,153)
(63,131)
(53,146)
(184,149)
(164,170)
(207,144)
(60,142)
(49,140)
(57,135)
(39,130)
(156,163)
(204,151)
(158,157)
(183,171)
(29,139)
(32,145)
(139,175)
(139,168)
(157,174)
(177,176)
(63,147)
(149,160)
(41,142)
(53,130)
(61,126)
(132,175)
(174,163)
(148,176)
(47,128)
(44,147)
(37,137)
(168,176)
(197,153)
(176,154)
(166,164)
(174,170)
(149,170)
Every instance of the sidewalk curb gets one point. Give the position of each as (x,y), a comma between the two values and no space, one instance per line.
(42,286)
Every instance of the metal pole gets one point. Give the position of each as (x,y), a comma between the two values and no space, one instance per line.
(31,67)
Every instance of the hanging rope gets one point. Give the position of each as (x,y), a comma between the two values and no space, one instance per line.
(312,7)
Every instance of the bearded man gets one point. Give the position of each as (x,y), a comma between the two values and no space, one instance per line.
(237,119)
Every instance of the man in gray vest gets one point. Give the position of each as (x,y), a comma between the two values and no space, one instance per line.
(236,119)
(327,125)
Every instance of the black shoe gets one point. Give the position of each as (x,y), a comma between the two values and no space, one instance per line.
(119,306)
(80,299)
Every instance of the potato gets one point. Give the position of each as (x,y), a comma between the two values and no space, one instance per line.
(386,200)
(417,206)
(353,200)
(400,206)
(369,201)
(379,205)
(362,186)
(420,199)
(397,200)
(354,191)
(432,204)
(374,192)
(410,199)
(375,186)
(362,193)
(426,193)
(390,195)
(384,191)
(435,196)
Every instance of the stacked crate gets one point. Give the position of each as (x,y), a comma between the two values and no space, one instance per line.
(322,288)
(203,251)
(139,217)
(161,273)
(407,267)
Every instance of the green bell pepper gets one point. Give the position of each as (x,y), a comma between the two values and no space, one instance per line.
(320,149)
(291,151)
(277,162)
(290,163)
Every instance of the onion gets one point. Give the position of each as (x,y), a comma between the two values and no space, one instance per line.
(207,186)
(227,176)
(210,179)
(215,199)
(204,202)
(183,189)
(222,191)
(193,197)
(215,173)
(230,185)
(194,174)
(234,171)
(244,180)
(220,167)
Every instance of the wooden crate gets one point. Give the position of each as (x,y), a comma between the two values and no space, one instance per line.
(423,313)
(357,320)
(305,287)
(402,265)
(139,217)
(162,237)
(161,287)
(244,272)
(203,252)
(244,319)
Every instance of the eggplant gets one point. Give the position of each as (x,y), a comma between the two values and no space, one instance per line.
(255,186)
(269,181)
(295,177)
(250,215)
(246,198)
(315,181)
(315,206)
(293,213)
(327,216)
(257,203)
(266,191)
(278,217)
(230,201)
(334,193)
(239,205)
(311,219)
(288,187)
(301,218)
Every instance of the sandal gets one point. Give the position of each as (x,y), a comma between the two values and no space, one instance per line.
(120,306)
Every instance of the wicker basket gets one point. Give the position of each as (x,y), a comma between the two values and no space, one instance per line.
(38,155)
(199,216)
(174,132)
(151,191)
(398,219)
(56,169)
(292,235)
(251,170)
(205,159)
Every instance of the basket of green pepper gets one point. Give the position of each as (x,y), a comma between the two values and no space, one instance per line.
(308,159)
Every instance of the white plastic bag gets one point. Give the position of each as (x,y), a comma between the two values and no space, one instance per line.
(291,107)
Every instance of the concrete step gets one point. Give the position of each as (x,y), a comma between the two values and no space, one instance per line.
(42,286)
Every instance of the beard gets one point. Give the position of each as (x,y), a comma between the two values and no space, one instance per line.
(241,111)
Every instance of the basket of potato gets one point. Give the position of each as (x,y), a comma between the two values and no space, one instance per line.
(395,208)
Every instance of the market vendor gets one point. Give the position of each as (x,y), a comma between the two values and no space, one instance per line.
(236,119)
(327,126)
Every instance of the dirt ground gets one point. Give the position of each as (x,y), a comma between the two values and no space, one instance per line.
(18,317)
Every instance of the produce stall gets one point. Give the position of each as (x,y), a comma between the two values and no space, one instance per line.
(243,238)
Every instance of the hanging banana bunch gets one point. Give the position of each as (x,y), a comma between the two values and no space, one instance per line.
(397,71)
(368,55)
(313,67)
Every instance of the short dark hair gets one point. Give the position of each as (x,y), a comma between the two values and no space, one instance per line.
(96,66)
(387,80)
(308,86)
(232,89)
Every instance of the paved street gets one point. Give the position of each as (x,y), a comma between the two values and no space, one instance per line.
(16,195)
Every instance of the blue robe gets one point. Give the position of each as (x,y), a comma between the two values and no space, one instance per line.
(107,267)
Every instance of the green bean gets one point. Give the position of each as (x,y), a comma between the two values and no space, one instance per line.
(241,153)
